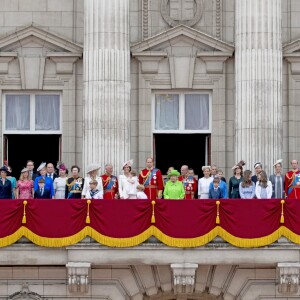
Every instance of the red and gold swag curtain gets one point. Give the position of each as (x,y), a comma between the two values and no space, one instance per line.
(126,223)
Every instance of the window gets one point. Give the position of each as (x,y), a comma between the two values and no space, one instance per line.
(182,112)
(34,113)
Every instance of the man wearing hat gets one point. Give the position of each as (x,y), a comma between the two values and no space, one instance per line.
(92,171)
(110,183)
(189,182)
(152,180)
(174,188)
(277,180)
(290,177)
(5,184)
(258,169)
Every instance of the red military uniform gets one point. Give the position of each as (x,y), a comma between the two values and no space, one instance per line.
(190,186)
(288,180)
(110,186)
(153,182)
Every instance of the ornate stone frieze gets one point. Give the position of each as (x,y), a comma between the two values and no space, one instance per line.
(78,274)
(176,12)
(184,277)
(288,277)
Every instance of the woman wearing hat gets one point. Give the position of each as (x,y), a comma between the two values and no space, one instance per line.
(174,188)
(5,184)
(24,186)
(204,182)
(59,183)
(235,180)
(125,180)
(277,180)
(48,180)
(92,171)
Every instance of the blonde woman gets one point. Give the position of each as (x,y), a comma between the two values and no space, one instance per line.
(204,182)
(24,186)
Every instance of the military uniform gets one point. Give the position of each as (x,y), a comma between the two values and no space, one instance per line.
(110,186)
(153,182)
(288,180)
(74,188)
(190,186)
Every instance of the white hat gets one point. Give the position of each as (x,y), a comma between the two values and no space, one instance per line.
(41,166)
(279,161)
(24,170)
(93,167)
(129,163)
(205,167)
(257,164)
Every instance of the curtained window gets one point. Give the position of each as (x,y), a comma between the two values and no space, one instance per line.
(32,112)
(182,112)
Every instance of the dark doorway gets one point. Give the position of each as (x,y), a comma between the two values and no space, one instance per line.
(180,149)
(19,148)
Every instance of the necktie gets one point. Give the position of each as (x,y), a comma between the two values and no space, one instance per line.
(42,192)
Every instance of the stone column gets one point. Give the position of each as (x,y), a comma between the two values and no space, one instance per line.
(258,70)
(106,83)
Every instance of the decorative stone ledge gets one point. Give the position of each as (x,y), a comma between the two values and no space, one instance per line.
(288,277)
(78,273)
(184,277)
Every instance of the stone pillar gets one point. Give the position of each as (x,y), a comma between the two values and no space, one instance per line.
(106,59)
(258,70)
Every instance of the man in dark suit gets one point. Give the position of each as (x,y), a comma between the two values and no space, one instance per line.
(42,192)
(30,167)
(50,171)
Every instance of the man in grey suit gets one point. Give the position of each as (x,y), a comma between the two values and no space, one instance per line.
(277,180)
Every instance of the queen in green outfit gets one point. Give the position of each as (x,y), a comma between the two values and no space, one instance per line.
(174,189)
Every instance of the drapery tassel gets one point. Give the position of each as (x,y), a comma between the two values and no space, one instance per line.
(88,220)
(218,217)
(282,215)
(24,212)
(153,215)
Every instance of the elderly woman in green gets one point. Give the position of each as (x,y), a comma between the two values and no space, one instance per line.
(174,189)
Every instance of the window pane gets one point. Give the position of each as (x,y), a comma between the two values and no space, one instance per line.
(17,112)
(47,112)
(197,112)
(166,112)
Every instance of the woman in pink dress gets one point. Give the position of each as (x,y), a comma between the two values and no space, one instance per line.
(24,186)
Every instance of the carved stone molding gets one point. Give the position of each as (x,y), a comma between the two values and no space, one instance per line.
(78,273)
(182,19)
(145,19)
(184,277)
(5,59)
(25,293)
(288,277)
(64,61)
(149,60)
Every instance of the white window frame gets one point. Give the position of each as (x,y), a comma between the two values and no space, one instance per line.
(182,94)
(32,113)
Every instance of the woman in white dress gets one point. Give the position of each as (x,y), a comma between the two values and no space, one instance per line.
(125,181)
(59,183)
(204,182)
(92,171)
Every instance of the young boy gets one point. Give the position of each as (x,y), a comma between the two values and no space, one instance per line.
(42,192)
(93,192)
(215,191)
(140,192)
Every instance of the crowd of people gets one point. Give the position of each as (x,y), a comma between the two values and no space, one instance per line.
(48,183)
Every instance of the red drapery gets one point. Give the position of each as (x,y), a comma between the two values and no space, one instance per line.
(125,223)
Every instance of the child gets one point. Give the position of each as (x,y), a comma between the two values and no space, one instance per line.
(42,192)
(140,192)
(93,192)
(215,191)
(131,187)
